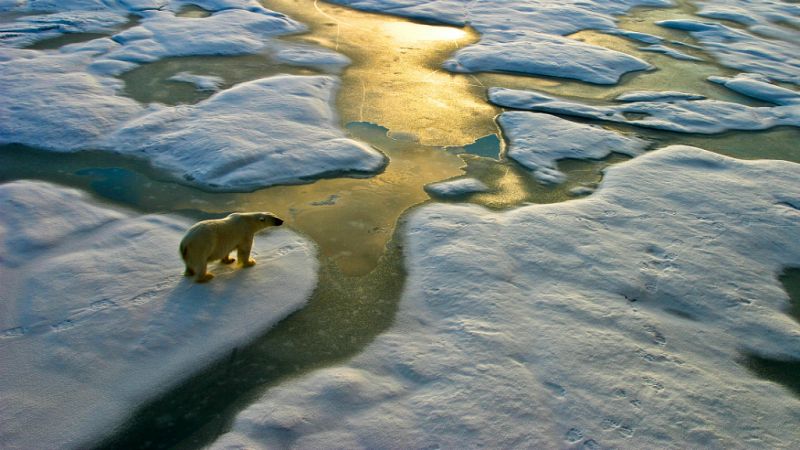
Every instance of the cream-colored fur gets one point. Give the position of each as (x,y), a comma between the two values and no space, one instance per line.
(210,240)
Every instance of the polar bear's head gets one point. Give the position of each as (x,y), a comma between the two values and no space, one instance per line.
(259,220)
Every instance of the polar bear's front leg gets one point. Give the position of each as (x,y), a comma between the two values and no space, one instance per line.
(227,259)
(243,253)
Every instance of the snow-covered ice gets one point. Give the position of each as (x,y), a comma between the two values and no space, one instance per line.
(755,86)
(669,51)
(520,50)
(51,101)
(276,130)
(657,96)
(29,29)
(684,116)
(257,134)
(537,141)
(227,32)
(305,55)
(613,321)
(774,57)
(96,316)
(456,188)
(200,82)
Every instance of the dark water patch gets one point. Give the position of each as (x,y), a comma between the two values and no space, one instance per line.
(490,146)
(151,82)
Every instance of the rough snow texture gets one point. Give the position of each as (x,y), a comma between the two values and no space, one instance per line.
(456,188)
(527,35)
(96,316)
(276,130)
(51,101)
(614,321)
(537,141)
(684,116)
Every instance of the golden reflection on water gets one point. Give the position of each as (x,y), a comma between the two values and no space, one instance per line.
(352,219)
(395,79)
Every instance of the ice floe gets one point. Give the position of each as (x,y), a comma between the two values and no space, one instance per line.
(614,321)
(201,82)
(228,32)
(755,86)
(537,141)
(527,36)
(456,188)
(543,54)
(277,130)
(96,316)
(777,59)
(27,30)
(51,101)
(657,96)
(684,116)
(304,55)
(669,51)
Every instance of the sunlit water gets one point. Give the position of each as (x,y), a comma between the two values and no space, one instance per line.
(432,125)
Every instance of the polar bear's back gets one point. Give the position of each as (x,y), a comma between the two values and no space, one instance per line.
(213,239)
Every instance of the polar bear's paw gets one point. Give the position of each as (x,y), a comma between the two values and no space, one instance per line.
(204,278)
(249,263)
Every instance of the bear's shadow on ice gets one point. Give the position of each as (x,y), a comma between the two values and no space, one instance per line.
(209,301)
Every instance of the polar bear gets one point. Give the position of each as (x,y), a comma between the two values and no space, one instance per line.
(210,240)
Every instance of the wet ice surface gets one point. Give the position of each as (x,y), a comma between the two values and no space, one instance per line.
(96,317)
(623,328)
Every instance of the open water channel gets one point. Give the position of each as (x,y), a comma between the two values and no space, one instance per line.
(431,124)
